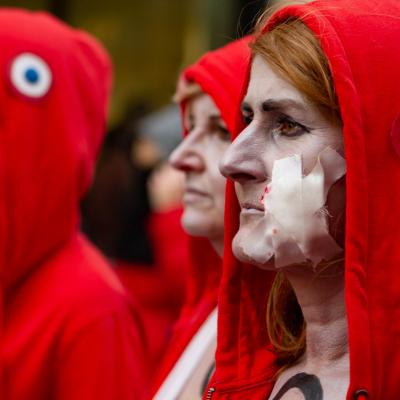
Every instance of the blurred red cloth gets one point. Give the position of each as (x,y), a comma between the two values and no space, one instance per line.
(159,289)
(203,282)
(69,333)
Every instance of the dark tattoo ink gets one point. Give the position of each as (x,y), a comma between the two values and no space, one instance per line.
(309,385)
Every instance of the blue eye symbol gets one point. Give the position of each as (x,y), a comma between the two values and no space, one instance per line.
(31,75)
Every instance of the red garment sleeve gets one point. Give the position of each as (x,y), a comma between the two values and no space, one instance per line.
(102,362)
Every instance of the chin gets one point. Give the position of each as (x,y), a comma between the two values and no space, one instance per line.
(193,229)
(200,224)
(243,250)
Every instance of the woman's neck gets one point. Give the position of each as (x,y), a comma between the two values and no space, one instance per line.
(321,298)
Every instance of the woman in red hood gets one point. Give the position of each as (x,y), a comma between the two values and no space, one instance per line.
(67,328)
(322,103)
(209,94)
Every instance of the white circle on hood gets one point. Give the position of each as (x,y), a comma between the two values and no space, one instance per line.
(31,75)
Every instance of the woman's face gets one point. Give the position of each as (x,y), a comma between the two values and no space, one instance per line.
(280,123)
(198,157)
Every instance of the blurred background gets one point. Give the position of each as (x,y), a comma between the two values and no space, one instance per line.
(150,41)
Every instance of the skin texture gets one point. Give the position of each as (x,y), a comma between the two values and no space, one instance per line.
(280,123)
(308,385)
(198,156)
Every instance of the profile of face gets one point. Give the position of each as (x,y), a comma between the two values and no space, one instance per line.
(198,157)
(281,124)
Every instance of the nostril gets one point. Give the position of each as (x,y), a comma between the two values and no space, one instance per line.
(241,171)
(186,161)
(238,164)
(184,167)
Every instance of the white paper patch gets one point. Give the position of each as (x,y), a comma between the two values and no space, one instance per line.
(294,228)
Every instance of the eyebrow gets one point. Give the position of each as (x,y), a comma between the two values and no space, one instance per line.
(212,116)
(215,117)
(275,105)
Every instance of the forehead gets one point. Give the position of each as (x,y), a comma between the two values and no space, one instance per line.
(202,104)
(265,84)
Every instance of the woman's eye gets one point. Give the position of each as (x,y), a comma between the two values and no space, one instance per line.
(247,118)
(224,134)
(289,128)
(190,123)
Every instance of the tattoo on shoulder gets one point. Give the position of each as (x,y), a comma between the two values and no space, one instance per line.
(309,385)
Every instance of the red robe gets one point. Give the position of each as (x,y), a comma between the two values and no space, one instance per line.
(360,39)
(159,289)
(68,331)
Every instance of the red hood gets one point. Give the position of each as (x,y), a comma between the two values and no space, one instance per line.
(360,39)
(49,144)
(221,74)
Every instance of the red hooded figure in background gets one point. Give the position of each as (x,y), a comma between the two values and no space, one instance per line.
(218,76)
(67,328)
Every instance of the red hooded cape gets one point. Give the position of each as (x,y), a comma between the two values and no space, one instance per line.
(159,289)
(220,74)
(67,330)
(360,39)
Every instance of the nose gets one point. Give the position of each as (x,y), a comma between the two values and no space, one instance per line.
(241,161)
(186,157)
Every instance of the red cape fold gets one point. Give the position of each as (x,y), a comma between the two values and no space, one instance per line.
(360,40)
(68,330)
(220,74)
(159,289)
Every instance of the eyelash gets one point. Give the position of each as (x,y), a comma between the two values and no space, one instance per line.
(277,128)
(298,128)
(222,132)
(247,119)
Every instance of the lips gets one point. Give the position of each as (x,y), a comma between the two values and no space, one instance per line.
(193,196)
(252,207)
(195,191)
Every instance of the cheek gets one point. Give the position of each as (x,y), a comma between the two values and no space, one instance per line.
(218,185)
(216,180)
(313,144)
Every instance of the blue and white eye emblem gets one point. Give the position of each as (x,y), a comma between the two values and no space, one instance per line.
(31,75)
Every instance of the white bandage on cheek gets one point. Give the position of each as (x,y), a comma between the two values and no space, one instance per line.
(294,228)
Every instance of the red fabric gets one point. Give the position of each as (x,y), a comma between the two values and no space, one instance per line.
(220,74)
(360,39)
(201,300)
(159,289)
(67,329)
